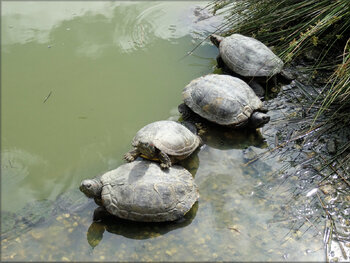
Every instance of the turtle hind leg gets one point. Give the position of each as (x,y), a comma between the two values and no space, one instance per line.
(132,155)
(165,161)
(220,62)
(100,214)
(257,88)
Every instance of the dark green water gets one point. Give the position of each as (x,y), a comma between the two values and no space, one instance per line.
(78,79)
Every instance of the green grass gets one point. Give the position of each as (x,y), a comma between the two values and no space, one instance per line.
(338,87)
(294,28)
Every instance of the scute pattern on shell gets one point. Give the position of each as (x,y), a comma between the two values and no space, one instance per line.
(222,99)
(142,191)
(249,57)
(168,136)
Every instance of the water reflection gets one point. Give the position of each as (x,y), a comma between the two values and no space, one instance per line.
(134,230)
(33,21)
(191,163)
(16,166)
(224,138)
(134,24)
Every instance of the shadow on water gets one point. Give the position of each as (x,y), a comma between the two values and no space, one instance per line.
(223,138)
(191,163)
(135,230)
(220,137)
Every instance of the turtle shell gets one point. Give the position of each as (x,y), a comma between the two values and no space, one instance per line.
(222,99)
(142,191)
(249,57)
(168,136)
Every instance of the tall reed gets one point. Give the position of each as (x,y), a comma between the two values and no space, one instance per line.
(294,28)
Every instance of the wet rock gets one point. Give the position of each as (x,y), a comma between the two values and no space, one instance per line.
(289,74)
(331,146)
(258,89)
(8,221)
(327,189)
(311,55)
(71,201)
(251,153)
(35,212)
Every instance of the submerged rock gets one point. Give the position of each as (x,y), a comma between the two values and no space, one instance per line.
(331,146)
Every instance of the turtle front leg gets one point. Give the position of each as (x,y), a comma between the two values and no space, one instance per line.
(132,155)
(165,161)
(201,128)
(100,213)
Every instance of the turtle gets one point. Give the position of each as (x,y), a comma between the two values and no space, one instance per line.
(142,191)
(164,141)
(250,59)
(224,100)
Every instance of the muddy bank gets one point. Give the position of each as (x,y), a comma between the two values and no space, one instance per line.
(315,155)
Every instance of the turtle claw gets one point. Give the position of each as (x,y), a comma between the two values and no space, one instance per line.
(131,156)
(128,157)
(165,161)
(165,165)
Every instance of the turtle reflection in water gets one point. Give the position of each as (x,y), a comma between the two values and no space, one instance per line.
(191,163)
(224,138)
(142,191)
(133,230)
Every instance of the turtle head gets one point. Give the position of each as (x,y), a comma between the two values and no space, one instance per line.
(216,39)
(258,119)
(147,149)
(91,188)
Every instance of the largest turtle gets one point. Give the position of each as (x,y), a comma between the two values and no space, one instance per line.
(142,191)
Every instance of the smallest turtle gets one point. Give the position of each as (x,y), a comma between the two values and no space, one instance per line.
(164,141)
